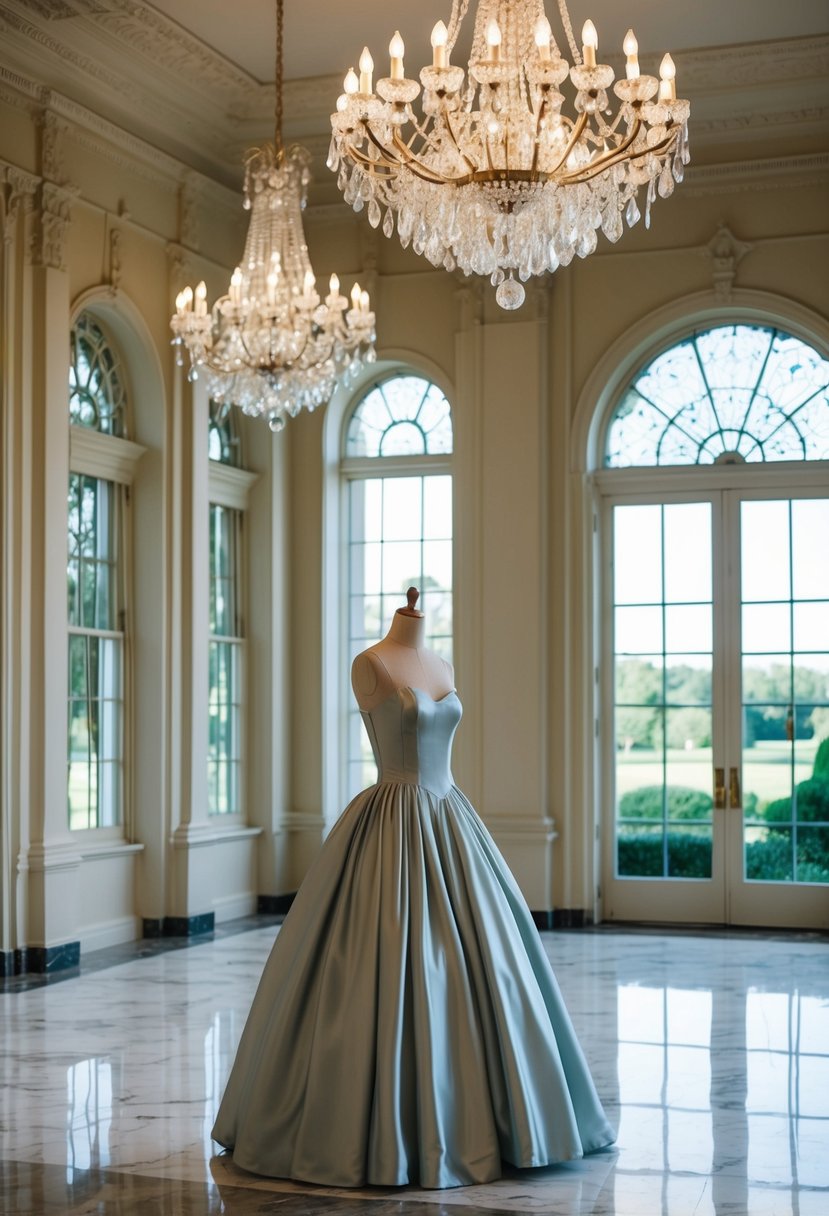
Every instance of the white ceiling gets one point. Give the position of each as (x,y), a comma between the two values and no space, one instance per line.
(324,37)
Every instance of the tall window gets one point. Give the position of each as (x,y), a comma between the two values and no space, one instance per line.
(96,589)
(398,485)
(719,620)
(226,642)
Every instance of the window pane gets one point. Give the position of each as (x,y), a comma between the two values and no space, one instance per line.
(403,416)
(733,392)
(97,398)
(399,533)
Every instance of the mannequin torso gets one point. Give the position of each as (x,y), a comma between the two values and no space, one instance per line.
(400,660)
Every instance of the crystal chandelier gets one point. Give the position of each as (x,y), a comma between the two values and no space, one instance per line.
(270,345)
(493,177)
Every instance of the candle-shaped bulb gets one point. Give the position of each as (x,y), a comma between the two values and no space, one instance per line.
(590,44)
(440,37)
(355,296)
(180,303)
(493,39)
(631,48)
(396,51)
(366,68)
(351,84)
(364,301)
(309,284)
(543,34)
(342,103)
(667,79)
(201,299)
(187,296)
(236,285)
(334,285)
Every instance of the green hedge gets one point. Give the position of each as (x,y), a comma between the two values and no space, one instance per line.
(683,803)
(689,856)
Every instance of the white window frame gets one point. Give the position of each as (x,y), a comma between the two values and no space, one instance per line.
(230,487)
(356,468)
(110,458)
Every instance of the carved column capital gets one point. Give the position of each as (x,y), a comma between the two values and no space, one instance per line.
(52,216)
(178,266)
(52,140)
(189,197)
(17,191)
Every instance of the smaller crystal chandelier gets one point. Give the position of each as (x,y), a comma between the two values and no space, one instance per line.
(271,346)
(495,177)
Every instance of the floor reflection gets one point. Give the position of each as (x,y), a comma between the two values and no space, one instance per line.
(711,1053)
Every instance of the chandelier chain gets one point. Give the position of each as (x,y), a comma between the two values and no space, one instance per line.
(568,31)
(459,8)
(277,110)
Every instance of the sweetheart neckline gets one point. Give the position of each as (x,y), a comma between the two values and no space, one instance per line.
(453,692)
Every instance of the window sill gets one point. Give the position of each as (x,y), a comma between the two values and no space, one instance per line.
(110,848)
(191,836)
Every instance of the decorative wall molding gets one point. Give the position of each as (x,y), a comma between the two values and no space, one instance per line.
(726,252)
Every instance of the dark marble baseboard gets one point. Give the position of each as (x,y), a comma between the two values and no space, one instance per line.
(179,926)
(572,918)
(274,905)
(40,960)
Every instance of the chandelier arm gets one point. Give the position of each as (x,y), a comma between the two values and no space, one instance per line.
(410,160)
(608,158)
(605,162)
(368,162)
(460,150)
(575,136)
(537,149)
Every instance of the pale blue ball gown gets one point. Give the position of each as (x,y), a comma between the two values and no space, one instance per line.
(408,1027)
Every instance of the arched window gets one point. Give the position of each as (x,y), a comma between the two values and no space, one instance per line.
(729,394)
(397,470)
(97,397)
(96,579)
(716,661)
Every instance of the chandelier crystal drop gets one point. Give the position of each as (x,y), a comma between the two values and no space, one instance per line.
(270,345)
(494,177)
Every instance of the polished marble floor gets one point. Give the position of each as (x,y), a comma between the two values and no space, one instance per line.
(711,1054)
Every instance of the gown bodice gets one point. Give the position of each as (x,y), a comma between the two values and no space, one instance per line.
(411,737)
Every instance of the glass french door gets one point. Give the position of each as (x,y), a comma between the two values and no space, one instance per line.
(716,708)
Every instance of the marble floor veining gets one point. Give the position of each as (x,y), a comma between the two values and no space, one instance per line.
(710,1052)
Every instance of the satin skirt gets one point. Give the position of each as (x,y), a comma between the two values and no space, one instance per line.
(408,1027)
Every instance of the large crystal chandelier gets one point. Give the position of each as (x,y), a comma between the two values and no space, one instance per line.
(493,177)
(270,345)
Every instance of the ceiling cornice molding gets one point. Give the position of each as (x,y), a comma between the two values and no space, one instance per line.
(125,59)
(148,32)
(778,172)
(113,143)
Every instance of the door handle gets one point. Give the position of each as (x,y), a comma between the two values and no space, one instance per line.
(719,788)
(734,795)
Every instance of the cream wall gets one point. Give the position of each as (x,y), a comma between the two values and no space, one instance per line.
(91,215)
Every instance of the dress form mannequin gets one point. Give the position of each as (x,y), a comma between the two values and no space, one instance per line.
(400,660)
